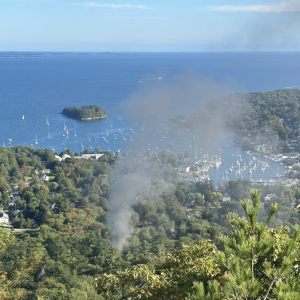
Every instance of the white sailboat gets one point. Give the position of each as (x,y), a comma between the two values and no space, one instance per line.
(48,136)
(75,133)
(23,117)
(9,141)
(47,122)
(36,142)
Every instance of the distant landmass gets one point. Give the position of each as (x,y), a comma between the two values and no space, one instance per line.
(84,113)
(258,118)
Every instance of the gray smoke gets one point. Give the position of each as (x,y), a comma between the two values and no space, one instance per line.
(279,30)
(185,93)
(124,195)
(151,106)
(271,26)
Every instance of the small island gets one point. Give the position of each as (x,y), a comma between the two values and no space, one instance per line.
(84,113)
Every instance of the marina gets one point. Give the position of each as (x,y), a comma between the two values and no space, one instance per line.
(217,158)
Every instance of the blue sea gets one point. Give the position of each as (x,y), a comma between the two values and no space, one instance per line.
(40,85)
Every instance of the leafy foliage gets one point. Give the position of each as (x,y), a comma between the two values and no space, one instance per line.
(255,263)
(61,241)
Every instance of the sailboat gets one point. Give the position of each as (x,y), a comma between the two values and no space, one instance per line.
(75,133)
(36,142)
(9,141)
(48,136)
(23,117)
(47,122)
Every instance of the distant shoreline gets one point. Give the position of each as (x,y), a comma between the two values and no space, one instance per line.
(92,119)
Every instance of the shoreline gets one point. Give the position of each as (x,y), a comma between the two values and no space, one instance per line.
(86,119)
(91,119)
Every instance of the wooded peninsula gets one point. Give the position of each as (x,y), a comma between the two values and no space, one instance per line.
(85,113)
(257,118)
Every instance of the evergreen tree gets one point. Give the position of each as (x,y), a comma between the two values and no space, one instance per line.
(257,262)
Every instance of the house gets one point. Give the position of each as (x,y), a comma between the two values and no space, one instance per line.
(14,186)
(52,206)
(15,198)
(17,212)
(46,171)
(65,156)
(88,156)
(184,169)
(3,216)
(12,206)
(269,197)
(226,198)
(43,177)
(58,157)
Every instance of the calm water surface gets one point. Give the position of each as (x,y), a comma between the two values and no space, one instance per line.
(40,87)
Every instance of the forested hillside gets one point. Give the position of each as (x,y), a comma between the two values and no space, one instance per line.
(255,262)
(61,240)
(262,116)
(257,118)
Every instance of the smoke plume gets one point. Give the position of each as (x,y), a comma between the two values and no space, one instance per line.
(271,26)
(151,107)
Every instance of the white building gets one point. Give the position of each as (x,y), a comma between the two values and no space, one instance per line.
(65,156)
(44,177)
(269,197)
(87,156)
(184,169)
(226,198)
(58,157)
(3,216)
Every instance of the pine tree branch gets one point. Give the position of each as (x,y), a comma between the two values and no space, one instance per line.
(270,288)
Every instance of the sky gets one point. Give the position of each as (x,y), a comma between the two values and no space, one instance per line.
(149,25)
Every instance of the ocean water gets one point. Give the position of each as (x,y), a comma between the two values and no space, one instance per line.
(40,85)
